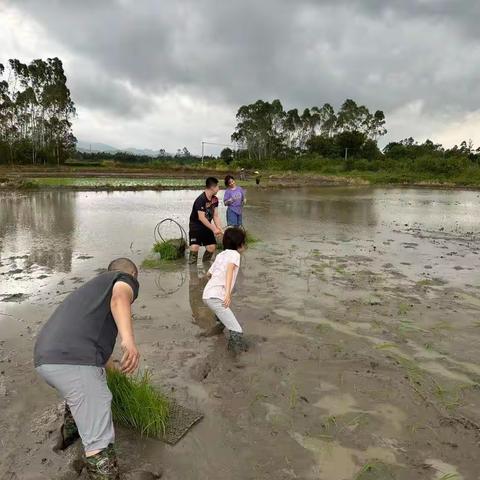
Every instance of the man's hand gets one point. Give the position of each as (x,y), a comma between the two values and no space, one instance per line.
(217,231)
(131,357)
(227,300)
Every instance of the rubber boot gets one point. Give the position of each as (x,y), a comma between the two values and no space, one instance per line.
(237,343)
(192,257)
(207,256)
(68,431)
(103,465)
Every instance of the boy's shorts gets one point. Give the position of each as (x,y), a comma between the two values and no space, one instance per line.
(85,390)
(202,237)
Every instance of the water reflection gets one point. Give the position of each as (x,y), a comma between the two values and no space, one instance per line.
(293,212)
(201,314)
(41,226)
(169,281)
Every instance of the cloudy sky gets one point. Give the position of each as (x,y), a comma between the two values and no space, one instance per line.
(167,74)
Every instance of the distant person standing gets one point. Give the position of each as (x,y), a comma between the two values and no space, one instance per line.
(205,223)
(234,199)
(242,174)
(257,177)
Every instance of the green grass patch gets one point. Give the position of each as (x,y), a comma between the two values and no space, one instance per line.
(137,404)
(167,251)
(250,238)
(170,249)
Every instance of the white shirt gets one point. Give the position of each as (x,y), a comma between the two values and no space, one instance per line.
(215,288)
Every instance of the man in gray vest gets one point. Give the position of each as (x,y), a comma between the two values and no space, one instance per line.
(71,353)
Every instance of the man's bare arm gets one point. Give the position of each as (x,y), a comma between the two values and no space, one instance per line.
(120,305)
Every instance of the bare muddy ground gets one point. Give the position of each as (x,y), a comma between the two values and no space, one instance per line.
(361,307)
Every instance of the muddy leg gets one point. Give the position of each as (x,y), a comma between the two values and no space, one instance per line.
(192,257)
(237,343)
(207,256)
(217,329)
(103,465)
(68,431)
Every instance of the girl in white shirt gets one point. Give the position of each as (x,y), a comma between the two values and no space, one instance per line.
(217,294)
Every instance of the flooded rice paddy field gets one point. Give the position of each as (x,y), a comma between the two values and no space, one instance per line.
(361,306)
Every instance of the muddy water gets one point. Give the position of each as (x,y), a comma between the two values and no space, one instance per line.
(361,306)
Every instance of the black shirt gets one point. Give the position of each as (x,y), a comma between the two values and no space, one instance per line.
(82,331)
(202,204)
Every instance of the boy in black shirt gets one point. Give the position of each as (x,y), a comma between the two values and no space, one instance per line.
(204,222)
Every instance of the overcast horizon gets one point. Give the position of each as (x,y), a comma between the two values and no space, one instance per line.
(154,76)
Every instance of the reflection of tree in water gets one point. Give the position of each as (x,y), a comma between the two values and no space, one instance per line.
(350,210)
(201,314)
(42,224)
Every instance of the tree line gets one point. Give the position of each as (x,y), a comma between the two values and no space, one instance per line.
(323,140)
(36,111)
(265,130)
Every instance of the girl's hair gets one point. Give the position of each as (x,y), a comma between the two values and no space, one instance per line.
(227,180)
(233,238)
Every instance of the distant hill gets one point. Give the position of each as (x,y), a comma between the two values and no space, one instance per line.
(94,147)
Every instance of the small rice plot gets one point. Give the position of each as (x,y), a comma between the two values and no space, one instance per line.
(115,182)
(138,405)
(169,245)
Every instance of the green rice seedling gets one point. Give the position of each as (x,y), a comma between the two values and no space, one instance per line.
(450,398)
(293,397)
(137,404)
(425,283)
(414,373)
(250,239)
(450,476)
(323,328)
(410,326)
(170,249)
(374,470)
(414,427)
(385,346)
(340,270)
(403,308)
(444,325)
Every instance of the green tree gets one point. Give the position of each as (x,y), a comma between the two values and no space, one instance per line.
(35,112)
(260,129)
(227,155)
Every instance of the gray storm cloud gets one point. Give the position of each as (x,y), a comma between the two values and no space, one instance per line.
(383,54)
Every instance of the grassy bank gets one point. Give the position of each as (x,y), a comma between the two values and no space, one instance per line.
(300,171)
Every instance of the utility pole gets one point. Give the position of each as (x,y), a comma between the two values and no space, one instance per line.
(346,153)
(212,143)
